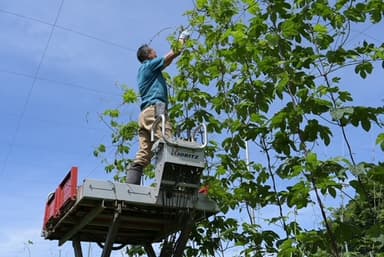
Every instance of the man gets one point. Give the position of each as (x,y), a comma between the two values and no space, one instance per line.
(154,100)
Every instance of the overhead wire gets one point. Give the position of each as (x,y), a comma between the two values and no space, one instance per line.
(68,29)
(107,42)
(29,93)
(158,33)
(69,84)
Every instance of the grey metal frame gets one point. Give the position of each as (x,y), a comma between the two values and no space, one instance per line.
(170,141)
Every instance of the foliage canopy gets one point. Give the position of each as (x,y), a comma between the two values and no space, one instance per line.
(271,74)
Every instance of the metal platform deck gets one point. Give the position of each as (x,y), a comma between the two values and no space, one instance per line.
(143,218)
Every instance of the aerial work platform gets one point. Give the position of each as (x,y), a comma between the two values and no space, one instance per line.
(116,214)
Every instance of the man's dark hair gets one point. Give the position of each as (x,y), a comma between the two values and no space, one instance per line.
(143,52)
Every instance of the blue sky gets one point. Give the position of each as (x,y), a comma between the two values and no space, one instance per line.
(54,82)
(52,90)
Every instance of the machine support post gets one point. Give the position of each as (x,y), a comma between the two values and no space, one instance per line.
(107,249)
(77,247)
(183,237)
(149,249)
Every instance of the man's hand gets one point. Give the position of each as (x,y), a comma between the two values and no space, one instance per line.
(184,35)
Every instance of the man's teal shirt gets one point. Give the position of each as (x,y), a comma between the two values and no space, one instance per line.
(152,85)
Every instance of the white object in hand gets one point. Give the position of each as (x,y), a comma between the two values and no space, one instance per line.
(184,35)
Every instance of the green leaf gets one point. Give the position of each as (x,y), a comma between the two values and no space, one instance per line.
(366,124)
(298,195)
(319,28)
(338,113)
(282,143)
(288,249)
(363,69)
(129,96)
(356,13)
(359,169)
(112,113)
(380,140)
(99,150)
(289,29)
(311,160)
(377,174)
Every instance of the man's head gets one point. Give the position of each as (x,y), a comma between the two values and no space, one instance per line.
(145,53)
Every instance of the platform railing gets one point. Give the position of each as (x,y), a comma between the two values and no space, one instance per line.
(168,140)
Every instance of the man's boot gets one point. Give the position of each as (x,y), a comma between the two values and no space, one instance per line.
(134,174)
